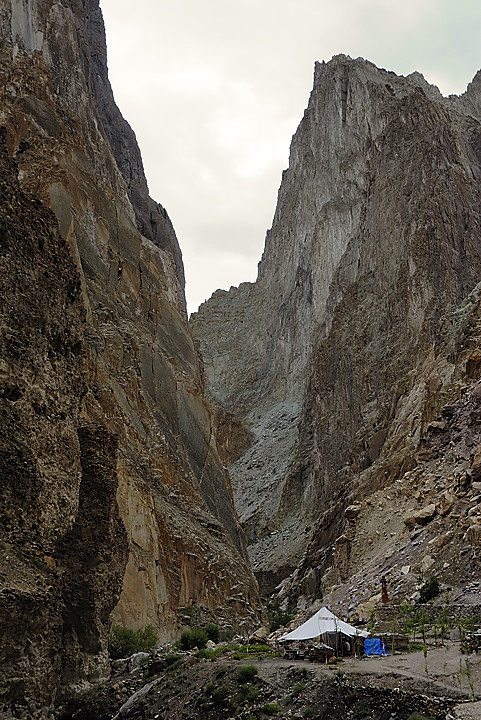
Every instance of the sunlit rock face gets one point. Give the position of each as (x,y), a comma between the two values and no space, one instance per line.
(340,354)
(113,494)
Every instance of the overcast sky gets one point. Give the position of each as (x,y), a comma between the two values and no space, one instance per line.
(214,91)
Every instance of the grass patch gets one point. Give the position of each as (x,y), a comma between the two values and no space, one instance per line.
(246,672)
(242,652)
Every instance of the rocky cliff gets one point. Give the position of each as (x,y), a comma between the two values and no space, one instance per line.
(361,326)
(113,495)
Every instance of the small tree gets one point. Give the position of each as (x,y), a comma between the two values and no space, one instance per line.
(278,617)
(193,638)
(213,632)
(124,642)
(429,590)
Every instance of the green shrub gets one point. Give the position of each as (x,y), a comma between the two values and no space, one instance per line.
(246,673)
(171,658)
(361,710)
(270,709)
(278,618)
(124,642)
(213,632)
(244,651)
(174,665)
(219,694)
(429,590)
(248,692)
(298,688)
(193,638)
(415,646)
(209,654)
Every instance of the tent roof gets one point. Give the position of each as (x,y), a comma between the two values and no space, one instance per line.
(323,621)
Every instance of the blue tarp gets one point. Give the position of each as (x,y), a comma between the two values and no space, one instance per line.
(374,646)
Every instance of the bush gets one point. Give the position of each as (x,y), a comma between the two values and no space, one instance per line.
(298,688)
(124,642)
(248,692)
(213,632)
(219,694)
(193,638)
(270,708)
(204,654)
(246,673)
(415,646)
(429,590)
(172,661)
(278,618)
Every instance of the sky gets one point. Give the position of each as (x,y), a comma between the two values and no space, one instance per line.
(215,90)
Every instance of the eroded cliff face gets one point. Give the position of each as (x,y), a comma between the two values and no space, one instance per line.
(336,359)
(114,497)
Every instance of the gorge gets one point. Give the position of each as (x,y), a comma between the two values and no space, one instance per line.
(299,436)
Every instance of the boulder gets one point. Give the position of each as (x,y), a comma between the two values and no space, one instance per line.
(420,517)
(437,426)
(444,503)
(426,563)
(473,534)
(476,465)
(352,511)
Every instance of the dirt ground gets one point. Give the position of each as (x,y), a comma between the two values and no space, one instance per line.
(444,685)
(444,671)
(444,667)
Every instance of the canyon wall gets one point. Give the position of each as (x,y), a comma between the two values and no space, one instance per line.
(113,494)
(335,361)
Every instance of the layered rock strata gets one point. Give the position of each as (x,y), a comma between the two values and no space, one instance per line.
(328,358)
(113,495)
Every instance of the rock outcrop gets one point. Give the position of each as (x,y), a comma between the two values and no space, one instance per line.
(113,494)
(353,337)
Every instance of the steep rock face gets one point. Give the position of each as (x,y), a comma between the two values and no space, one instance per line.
(376,236)
(113,484)
(44,466)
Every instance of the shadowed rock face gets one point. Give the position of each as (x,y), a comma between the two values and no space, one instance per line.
(113,495)
(339,355)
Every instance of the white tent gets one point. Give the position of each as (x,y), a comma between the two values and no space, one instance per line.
(323,622)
